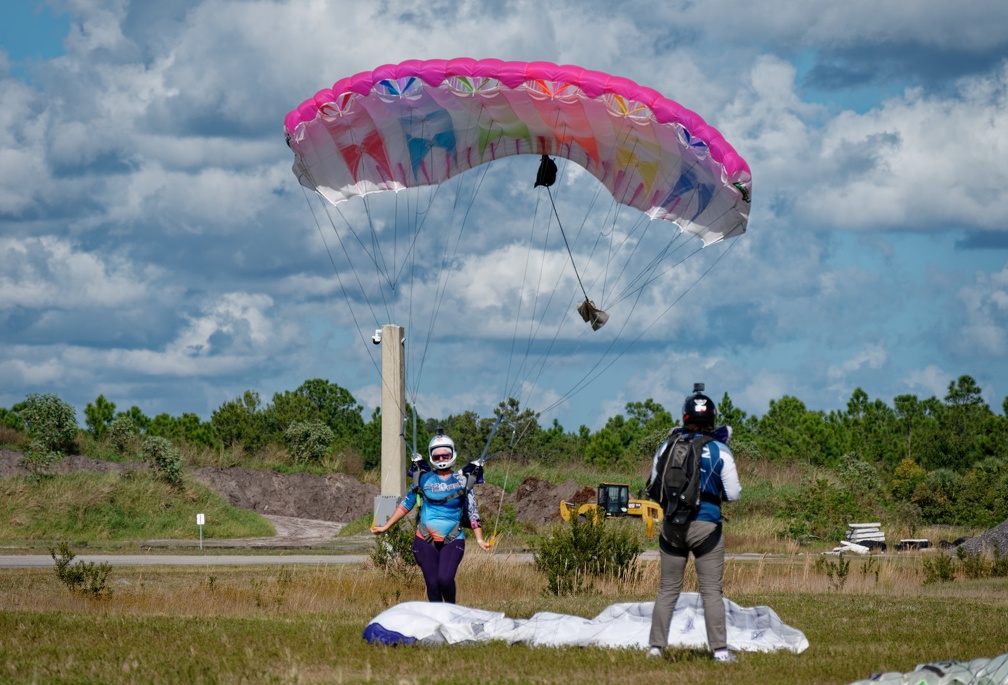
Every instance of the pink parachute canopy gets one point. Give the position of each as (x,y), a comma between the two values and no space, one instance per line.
(422,122)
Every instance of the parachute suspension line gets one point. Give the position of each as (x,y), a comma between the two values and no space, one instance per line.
(465,201)
(511,386)
(631,289)
(339,279)
(586,381)
(566,244)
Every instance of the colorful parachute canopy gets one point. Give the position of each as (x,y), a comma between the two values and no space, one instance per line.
(422,122)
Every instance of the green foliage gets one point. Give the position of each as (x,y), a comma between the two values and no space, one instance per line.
(939,569)
(85,578)
(240,422)
(99,416)
(821,509)
(9,418)
(187,428)
(164,457)
(579,549)
(308,441)
(118,508)
(393,553)
(836,571)
(605,447)
(123,435)
(140,420)
(905,478)
(50,422)
(935,495)
(39,460)
(315,400)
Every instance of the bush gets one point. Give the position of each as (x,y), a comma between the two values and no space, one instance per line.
(821,509)
(122,435)
(50,422)
(940,569)
(164,457)
(581,548)
(308,441)
(86,578)
(394,552)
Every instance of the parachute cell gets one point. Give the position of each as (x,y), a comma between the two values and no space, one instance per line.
(422,122)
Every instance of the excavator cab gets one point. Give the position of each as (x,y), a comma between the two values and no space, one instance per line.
(614,498)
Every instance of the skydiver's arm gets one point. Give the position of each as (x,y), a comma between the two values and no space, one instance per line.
(396,516)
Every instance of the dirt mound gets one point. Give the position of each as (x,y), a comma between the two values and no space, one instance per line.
(334,497)
(537,501)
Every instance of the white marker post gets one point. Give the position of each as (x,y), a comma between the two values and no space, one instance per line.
(200,519)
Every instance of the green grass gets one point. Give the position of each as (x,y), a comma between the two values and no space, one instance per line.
(304,625)
(97,508)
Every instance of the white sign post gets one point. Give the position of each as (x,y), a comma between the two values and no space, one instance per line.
(200,519)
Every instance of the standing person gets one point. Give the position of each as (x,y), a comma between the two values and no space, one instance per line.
(700,534)
(440,542)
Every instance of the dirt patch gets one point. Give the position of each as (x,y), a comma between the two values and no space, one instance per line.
(335,497)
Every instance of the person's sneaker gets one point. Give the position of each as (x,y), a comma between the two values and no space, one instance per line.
(654,653)
(724,656)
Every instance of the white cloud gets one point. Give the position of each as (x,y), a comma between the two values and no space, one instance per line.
(930,381)
(47,272)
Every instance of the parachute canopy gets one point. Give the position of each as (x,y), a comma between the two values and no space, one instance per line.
(422,122)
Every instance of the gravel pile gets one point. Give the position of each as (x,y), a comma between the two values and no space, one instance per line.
(997,535)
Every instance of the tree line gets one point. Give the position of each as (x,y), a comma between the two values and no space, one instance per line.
(941,460)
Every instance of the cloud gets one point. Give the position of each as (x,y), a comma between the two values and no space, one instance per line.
(157,245)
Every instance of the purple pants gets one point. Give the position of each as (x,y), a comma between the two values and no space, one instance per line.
(439,563)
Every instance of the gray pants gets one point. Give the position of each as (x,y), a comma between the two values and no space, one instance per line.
(710,573)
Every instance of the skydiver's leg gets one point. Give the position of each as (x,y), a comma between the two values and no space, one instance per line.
(673,566)
(427,559)
(709,559)
(450,557)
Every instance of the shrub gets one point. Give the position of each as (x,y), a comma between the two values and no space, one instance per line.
(50,422)
(939,569)
(837,571)
(164,457)
(394,552)
(581,548)
(821,509)
(308,441)
(122,435)
(85,578)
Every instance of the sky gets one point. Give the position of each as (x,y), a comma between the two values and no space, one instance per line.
(156,248)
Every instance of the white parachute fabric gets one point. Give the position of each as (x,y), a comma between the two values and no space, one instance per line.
(624,625)
(976,672)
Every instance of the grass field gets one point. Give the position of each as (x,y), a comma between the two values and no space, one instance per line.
(299,624)
(295,624)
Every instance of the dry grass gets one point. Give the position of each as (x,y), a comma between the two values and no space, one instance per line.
(303,624)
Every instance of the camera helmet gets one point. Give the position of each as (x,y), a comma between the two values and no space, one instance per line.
(699,410)
(441,451)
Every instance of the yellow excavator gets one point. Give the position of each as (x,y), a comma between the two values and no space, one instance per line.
(614,500)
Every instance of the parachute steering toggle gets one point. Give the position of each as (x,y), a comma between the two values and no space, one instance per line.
(546,176)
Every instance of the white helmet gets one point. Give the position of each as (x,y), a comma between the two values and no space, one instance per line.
(444,460)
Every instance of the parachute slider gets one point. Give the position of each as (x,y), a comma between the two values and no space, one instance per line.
(592,314)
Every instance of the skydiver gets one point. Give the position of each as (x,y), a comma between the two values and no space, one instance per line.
(440,540)
(701,534)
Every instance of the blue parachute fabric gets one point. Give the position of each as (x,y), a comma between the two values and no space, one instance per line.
(377,634)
